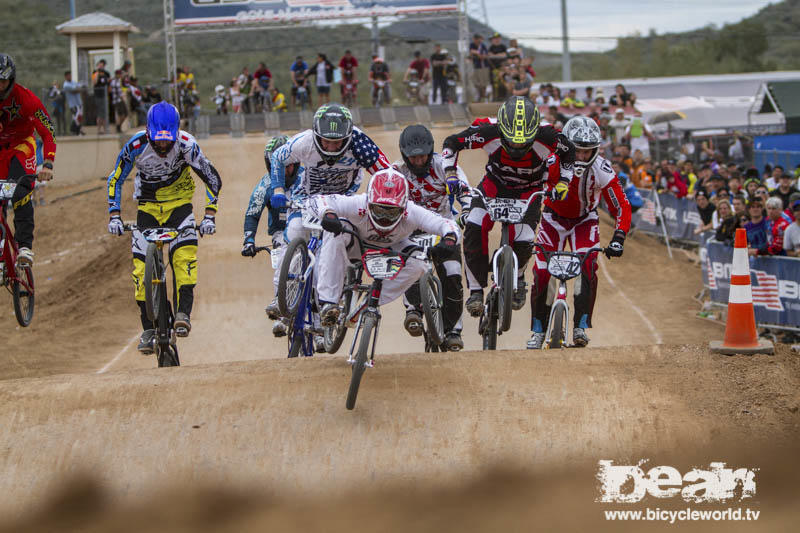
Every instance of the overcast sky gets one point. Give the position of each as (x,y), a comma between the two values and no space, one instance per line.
(609,18)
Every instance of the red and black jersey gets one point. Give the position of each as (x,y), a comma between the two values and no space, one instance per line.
(524,174)
(20,114)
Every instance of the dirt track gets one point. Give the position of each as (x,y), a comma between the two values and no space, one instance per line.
(233,414)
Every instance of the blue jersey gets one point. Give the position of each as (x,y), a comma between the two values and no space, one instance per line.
(259,199)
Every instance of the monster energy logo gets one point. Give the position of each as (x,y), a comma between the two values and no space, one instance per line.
(333,126)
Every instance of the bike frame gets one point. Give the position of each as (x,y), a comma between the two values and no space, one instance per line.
(10,251)
(303,320)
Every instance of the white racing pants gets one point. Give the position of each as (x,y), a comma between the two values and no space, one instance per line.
(335,255)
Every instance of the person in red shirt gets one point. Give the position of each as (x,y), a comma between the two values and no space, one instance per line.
(776,227)
(421,65)
(348,61)
(574,219)
(22,113)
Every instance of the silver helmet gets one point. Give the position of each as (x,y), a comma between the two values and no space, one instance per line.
(584,133)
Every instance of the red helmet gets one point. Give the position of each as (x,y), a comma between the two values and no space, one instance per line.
(387,197)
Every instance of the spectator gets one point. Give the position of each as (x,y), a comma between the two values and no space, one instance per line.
(736,148)
(589,96)
(775,178)
(348,62)
(618,125)
(706,210)
(644,175)
(739,205)
(151,96)
(727,223)
(220,100)
(621,97)
(245,82)
(100,82)
(756,227)
(323,70)
(480,65)
(57,101)
(688,176)
(599,98)
(750,186)
(723,210)
(715,183)
(735,183)
(136,104)
(639,135)
(236,96)
(278,100)
(521,82)
(723,195)
(572,101)
(775,229)
(420,67)
(497,56)
(788,213)
(379,71)
(452,76)
(297,73)
(72,89)
(117,100)
(791,237)
(763,193)
(438,63)
(672,182)
(784,190)
(262,80)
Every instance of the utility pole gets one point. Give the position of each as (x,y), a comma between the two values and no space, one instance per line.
(375,40)
(72,9)
(566,67)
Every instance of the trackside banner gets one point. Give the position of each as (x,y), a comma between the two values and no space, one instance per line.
(680,216)
(775,284)
(204,12)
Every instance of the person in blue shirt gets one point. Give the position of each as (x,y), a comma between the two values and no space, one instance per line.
(299,73)
(276,222)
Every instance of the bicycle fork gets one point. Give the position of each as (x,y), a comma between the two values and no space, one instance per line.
(560,300)
(372,309)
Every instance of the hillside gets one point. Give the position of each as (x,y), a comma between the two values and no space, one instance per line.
(767,40)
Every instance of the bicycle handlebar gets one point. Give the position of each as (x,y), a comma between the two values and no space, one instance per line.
(475,190)
(364,245)
(584,254)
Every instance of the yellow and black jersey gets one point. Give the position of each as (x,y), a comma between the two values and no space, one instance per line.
(163,179)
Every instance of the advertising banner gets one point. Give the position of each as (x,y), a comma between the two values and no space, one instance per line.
(205,12)
(680,216)
(775,284)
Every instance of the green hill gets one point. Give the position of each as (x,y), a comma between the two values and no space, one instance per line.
(767,40)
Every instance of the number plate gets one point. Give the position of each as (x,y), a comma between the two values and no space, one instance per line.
(564,266)
(426,241)
(506,209)
(275,258)
(7,190)
(160,234)
(380,265)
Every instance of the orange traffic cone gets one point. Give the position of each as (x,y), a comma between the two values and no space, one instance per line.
(740,329)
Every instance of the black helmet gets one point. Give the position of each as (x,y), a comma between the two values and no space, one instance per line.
(274,144)
(518,122)
(417,140)
(8,71)
(332,122)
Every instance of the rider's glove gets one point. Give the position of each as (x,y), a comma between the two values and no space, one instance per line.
(559,191)
(115,226)
(207,226)
(565,150)
(454,184)
(447,247)
(249,248)
(278,200)
(614,248)
(330,222)
(462,218)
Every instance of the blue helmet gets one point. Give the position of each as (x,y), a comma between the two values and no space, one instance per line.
(163,121)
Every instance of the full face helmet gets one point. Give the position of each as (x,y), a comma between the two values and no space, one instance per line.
(332,122)
(387,198)
(585,134)
(518,121)
(8,71)
(417,140)
(163,121)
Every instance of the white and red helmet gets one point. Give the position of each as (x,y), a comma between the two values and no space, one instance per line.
(387,197)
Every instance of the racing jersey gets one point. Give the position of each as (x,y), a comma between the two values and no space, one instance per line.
(584,193)
(354,209)
(20,114)
(520,175)
(163,179)
(431,191)
(343,177)
(259,199)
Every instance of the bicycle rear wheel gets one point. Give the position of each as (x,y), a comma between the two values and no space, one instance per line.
(167,351)
(360,363)
(557,337)
(489,325)
(430,291)
(506,288)
(22,294)
(334,335)
(153,282)
(290,288)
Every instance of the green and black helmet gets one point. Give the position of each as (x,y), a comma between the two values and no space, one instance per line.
(272,145)
(332,122)
(518,122)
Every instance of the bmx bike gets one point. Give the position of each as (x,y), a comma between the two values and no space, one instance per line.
(17,279)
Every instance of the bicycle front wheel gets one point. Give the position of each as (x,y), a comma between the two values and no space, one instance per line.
(153,286)
(506,288)
(360,364)
(290,286)
(431,294)
(22,294)
(557,336)
(488,324)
